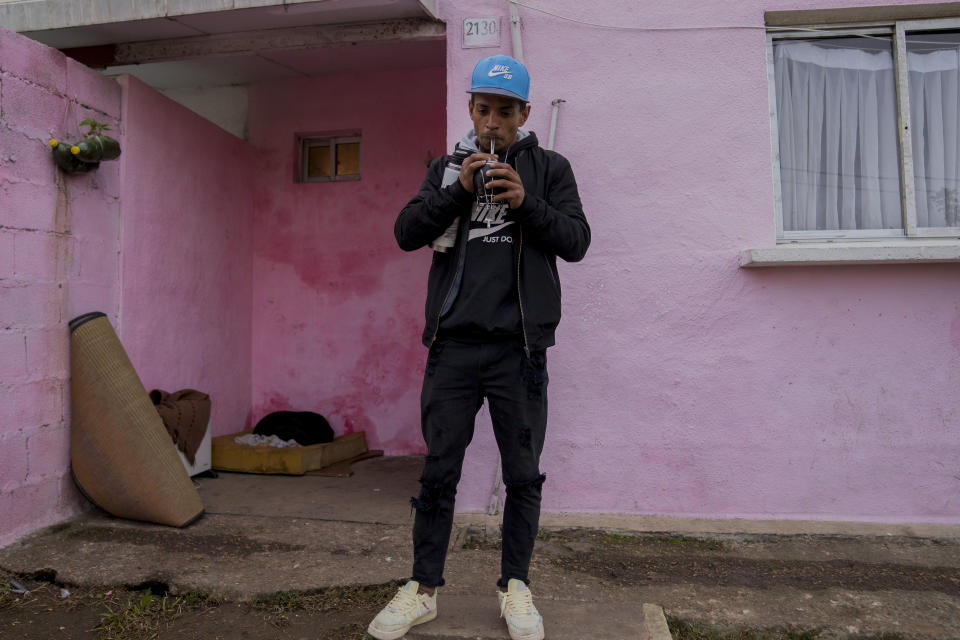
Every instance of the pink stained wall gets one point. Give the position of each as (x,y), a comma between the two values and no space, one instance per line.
(186,253)
(337,307)
(59,238)
(680,383)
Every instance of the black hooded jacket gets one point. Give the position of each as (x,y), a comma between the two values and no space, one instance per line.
(552,224)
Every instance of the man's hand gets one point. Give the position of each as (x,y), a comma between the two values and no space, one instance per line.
(503,177)
(506,178)
(470,166)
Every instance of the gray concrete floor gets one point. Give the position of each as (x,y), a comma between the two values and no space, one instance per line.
(262,535)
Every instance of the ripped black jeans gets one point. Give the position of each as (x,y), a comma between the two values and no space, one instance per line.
(458,377)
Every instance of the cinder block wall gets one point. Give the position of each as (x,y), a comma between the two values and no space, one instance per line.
(59,242)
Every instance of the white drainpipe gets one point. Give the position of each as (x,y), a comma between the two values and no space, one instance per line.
(553,122)
(515,30)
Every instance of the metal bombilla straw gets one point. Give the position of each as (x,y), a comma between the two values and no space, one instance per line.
(488,193)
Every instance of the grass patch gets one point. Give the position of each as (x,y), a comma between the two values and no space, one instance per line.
(332,599)
(674,541)
(681,630)
(686,631)
(141,618)
(284,601)
(278,608)
(191,598)
(713,545)
(342,598)
(616,538)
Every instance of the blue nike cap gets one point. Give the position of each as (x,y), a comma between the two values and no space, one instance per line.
(503,76)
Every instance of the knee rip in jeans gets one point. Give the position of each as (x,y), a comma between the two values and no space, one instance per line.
(535,482)
(430,495)
(524,436)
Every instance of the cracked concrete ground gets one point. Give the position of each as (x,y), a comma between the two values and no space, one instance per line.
(263,535)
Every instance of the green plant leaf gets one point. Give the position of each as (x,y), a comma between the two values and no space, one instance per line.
(95,128)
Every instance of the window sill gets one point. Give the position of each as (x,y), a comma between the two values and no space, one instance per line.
(838,253)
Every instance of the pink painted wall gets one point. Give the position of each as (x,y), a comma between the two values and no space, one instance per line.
(186,253)
(59,237)
(337,307)
(680,383)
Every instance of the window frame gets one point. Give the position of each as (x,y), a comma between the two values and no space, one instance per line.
(897,30)
(306,141)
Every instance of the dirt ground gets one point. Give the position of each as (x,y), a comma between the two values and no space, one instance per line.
(778,586)
(116,613)
(711,588)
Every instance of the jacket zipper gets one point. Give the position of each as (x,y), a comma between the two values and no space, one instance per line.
(523,322)
(453,283)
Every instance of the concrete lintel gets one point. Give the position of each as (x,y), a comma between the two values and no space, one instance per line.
(838,253)
(40,15)
(297,38)
(861,14)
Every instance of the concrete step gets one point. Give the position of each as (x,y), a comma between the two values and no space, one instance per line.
(476,617)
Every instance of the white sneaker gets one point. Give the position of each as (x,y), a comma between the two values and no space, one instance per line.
(516,607)
(408,608)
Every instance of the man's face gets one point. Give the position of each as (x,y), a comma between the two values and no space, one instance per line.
(496,118)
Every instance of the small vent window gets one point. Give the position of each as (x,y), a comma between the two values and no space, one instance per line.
(329,158)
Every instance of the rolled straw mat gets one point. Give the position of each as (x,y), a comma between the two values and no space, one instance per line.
(123,459)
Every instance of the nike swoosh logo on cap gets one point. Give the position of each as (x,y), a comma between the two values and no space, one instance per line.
(493,74)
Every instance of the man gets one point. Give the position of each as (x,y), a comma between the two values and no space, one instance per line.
(493,302)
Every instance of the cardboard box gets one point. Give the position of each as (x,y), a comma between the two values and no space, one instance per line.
(230,456)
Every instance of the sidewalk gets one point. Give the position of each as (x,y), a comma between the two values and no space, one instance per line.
(263,535)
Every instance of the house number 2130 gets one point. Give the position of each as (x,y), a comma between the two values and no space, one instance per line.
(481,32)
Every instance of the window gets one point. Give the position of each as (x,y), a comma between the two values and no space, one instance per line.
(867,130)
(328,158)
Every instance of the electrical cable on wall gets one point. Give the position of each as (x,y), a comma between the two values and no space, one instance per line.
(718,27)
(811,30)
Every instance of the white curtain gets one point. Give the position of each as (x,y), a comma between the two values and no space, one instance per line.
(839,160)
(934,110)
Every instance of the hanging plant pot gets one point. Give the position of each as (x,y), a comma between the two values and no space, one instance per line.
(67,161)
(96,149)
(87,154)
